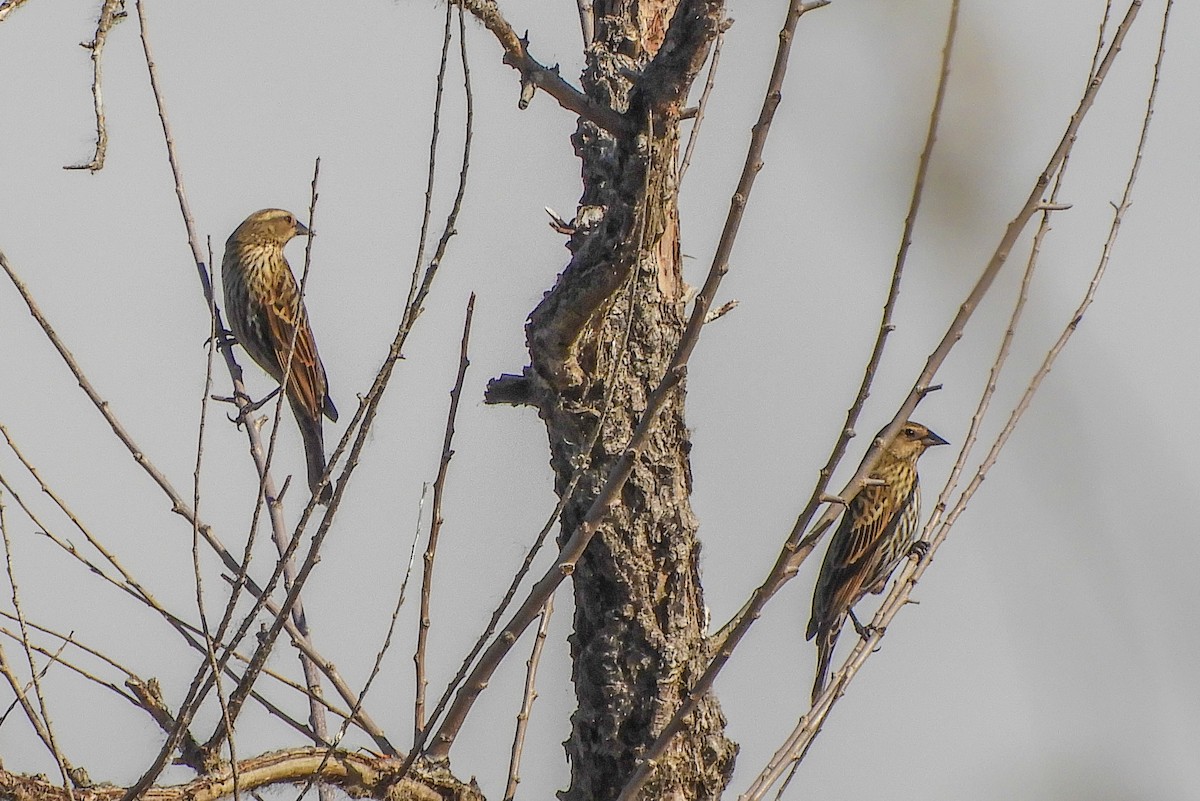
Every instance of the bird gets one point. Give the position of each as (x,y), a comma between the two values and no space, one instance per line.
(266,313)
(877,531)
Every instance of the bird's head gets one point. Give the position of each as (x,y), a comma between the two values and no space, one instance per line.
(911,441)
(273,226)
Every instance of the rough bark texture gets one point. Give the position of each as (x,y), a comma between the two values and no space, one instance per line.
(618,310)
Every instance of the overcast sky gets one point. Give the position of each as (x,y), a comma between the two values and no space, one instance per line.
(1053,654)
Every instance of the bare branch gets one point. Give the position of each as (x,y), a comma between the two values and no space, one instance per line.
(718,313)
(709,82)
(358,774)
(40,722)
(530,695)
(435,525)
(587,22)
(189,746)
(111,12)
(57,658)
(9,6)
(534,74)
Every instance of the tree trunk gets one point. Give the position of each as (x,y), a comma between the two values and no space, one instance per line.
(599,343)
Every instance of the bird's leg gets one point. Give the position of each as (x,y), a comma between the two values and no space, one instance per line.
(919,549)
(863,631)
(249,408)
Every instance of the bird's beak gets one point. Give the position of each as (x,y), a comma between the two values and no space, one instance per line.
(933,439)
(302,230)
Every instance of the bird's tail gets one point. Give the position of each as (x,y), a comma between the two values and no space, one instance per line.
(826,639)
(314,451)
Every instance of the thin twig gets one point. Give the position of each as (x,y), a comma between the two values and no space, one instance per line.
(431,173)
(41,723)
(1043,370)
(423,624)
(1043,229)
(587,22)
(702,106)
(111,12)
(1105,18)
(379,655)
(209,652)
(574,547)
(536,75)
(530,695)
(435,524)
(132,678)
(360,718)
(55,658)
(899,596)
(70,639)
(8,6)
(192,635)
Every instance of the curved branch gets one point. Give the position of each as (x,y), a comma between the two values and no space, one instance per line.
(535,75)
(358,774)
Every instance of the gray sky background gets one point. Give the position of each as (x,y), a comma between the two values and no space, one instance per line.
(1053,652)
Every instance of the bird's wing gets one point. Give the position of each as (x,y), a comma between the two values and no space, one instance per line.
(865,530)
(862,555)
(851,565)
(307,380)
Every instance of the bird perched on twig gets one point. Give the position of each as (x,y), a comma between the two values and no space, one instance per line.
(266,314)
(877,531)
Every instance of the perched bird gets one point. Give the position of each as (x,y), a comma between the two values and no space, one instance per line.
(265,312)
(876,533)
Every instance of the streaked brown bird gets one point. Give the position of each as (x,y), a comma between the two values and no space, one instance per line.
(876,533)
(265,312)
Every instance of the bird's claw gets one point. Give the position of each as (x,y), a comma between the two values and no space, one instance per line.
(253,406)
(866,632)
(224,338)
(249,408)
(919,549)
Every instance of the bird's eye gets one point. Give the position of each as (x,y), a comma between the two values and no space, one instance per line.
(290,220)
(909,432)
